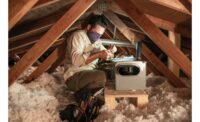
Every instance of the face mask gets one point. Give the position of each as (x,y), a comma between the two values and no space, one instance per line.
(93,36)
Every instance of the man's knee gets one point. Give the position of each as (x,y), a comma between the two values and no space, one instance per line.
(91,78)
(101,76)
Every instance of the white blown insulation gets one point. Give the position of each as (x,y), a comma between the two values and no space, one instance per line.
(41,100)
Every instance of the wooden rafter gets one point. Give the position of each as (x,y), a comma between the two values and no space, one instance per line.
(150,66)
(49,38)
(43,3)
(121,37)
(124,29)
(133,27)
(17,45)
(35,32)
(27,29)
(110,28)
(58,52)
(167,25)
(56,63)
(25,48)
(159,22)
(42,6)
(26,41)
(17,9)
(30,33)
(156,35)
(178,5)
(187,4)
(173,79)
(168,13)
(176,40)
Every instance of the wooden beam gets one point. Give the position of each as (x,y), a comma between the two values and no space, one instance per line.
(17,9)
(58,52)
(132,26)
(41,28)
(164,12)
(39,25)
(123,28)
(21,46)
(153,69)
(187,52)
(25,48)
(18,44)
(151,8)
(167,25)
(176,40)
(178,5)
(43,3)
(30,33)
(19,50)
(49,38)
(106,35)
(164,24)
(44,6)
(25,30)
(25,41)
(174,80)
(120,36)
(150,66)
(161,23)
(187,5)
(157,36)
(56,63)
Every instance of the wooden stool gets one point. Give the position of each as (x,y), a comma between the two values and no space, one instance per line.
(111,95)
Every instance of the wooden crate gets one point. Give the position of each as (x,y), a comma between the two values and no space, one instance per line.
(111,95)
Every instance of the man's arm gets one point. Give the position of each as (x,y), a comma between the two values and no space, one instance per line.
(102,54)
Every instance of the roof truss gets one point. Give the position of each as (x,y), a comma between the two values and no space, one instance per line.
(174,80)
(49,38)
(18,9)
(156,35)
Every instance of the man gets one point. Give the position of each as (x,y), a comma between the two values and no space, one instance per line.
(84,49)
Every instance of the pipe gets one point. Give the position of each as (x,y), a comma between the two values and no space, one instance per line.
(120,43)
(116,43)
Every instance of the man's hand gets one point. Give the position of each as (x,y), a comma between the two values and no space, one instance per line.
(103,55)
(106,55)
(112,48)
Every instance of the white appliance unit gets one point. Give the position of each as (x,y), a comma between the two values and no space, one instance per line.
(130,75)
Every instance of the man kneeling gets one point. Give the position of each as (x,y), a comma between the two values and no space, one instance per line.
(84,49)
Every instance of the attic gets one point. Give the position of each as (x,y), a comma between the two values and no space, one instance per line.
(38,31)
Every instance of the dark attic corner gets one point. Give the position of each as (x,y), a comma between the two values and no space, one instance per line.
(100,61)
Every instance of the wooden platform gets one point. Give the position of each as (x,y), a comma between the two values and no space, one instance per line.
(111,95)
